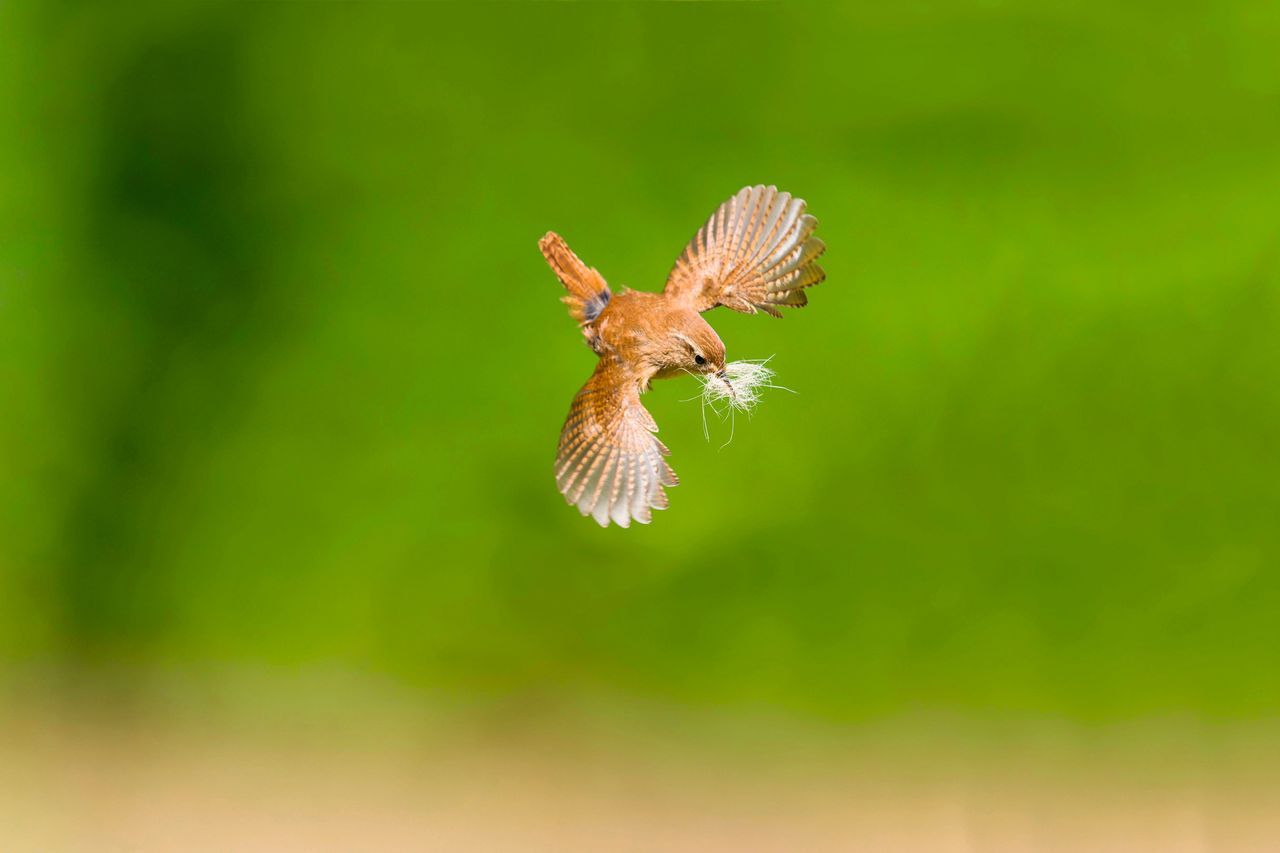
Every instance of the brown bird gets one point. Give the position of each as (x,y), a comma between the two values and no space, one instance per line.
(757,252)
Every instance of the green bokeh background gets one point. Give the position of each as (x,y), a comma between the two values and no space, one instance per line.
(282,370)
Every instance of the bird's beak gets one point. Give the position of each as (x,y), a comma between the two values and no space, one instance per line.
(720,373)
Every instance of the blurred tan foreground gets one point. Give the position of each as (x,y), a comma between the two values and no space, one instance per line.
(71,785)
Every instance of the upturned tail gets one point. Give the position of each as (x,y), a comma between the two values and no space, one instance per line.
(587,292)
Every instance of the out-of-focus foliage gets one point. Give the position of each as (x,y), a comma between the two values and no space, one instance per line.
(282,371)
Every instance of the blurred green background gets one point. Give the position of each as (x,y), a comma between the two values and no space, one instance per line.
(282,370)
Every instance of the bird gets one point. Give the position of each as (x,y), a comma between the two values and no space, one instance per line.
(757,253)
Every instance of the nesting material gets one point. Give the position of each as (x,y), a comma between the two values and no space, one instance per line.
(737,389)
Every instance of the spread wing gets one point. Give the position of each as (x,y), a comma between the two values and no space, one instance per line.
(756,253)
(610,465)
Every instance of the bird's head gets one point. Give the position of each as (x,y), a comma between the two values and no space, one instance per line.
(694,346)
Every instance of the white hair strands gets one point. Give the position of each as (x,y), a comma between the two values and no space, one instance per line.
(735,389)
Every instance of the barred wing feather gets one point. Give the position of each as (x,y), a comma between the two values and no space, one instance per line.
(610,465)
(757,252)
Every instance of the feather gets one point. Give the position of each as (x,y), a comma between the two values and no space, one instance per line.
(610,465)
(757,243)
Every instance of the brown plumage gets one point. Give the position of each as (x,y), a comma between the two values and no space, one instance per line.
(757,252)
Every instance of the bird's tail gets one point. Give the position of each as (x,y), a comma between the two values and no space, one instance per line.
(588,293)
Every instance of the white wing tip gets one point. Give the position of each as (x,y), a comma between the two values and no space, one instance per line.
(621,515)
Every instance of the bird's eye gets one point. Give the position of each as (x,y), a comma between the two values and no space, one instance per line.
(699,359)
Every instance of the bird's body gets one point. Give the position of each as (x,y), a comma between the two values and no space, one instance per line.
(756,253)
(635,327)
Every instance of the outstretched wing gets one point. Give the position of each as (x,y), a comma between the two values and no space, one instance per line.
(587,293)
(756,252)
(610,465)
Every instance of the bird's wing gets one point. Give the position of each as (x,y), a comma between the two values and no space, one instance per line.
(610,465)
(587,293)
(756,253)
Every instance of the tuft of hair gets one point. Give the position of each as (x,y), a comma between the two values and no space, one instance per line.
(739,386)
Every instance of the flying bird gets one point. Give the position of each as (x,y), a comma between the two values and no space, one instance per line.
(756,253)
